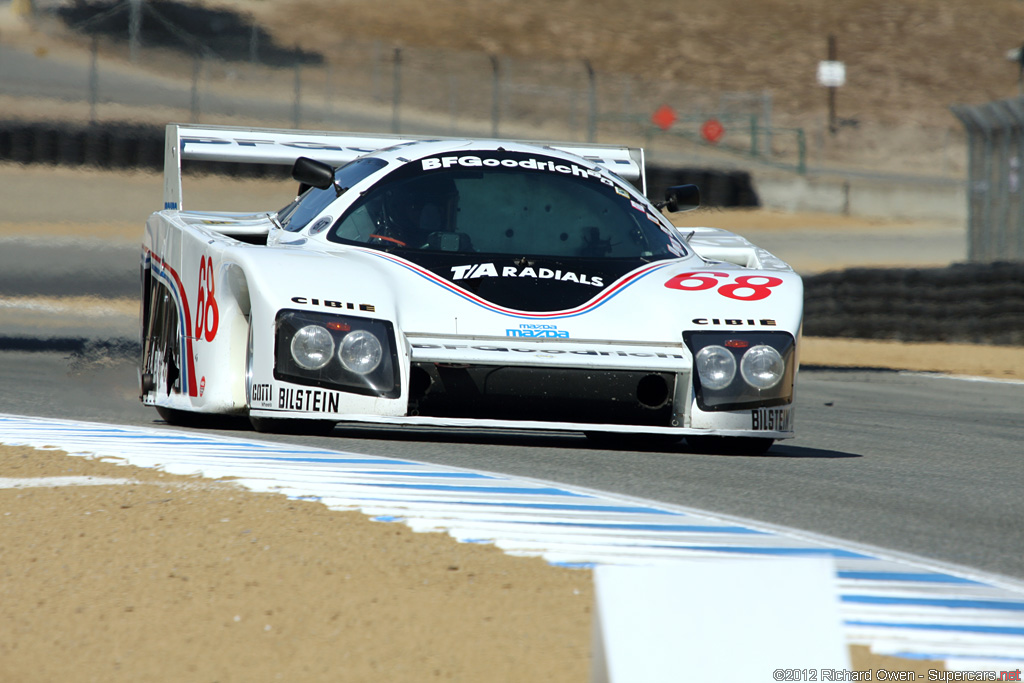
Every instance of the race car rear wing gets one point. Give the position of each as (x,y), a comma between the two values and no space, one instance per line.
(282,146)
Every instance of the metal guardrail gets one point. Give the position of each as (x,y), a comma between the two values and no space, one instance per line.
(995,173)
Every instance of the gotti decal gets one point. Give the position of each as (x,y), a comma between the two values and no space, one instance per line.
(263,395)
(490,270)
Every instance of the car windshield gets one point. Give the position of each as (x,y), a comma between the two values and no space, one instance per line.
(310,203)
(505,203)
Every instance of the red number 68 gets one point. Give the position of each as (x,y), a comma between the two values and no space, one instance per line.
(746,287)
(207,312)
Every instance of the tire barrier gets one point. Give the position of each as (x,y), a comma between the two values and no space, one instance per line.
(717,188)
(108,145)
(963,303)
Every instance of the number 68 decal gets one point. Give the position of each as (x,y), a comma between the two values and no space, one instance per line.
(207,313)
(745,287)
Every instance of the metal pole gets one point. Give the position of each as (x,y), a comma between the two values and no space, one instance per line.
(297,106)
(134,28)
(495,95)
(197,67)
(328,104)
(254,38)
(396,94)
(766,121)
(94,78)
(801,151)
(592,113)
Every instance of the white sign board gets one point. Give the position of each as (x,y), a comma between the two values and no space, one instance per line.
(831,74)
(716,620)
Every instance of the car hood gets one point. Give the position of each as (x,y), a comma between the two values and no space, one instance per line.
(525,283)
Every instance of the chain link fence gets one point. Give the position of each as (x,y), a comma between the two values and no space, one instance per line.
(152,55)
(995,144)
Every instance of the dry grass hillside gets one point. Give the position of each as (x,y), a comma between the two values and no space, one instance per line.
(907,60)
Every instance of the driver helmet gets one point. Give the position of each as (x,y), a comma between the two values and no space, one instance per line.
(420,207)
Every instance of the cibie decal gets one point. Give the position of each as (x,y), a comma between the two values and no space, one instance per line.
(745,287)
(476,270)
(537,330)
(330,303)
(207,312)
(550,165)
(751,322)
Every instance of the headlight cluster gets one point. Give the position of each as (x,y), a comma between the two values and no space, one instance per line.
(345,353)
(741,370)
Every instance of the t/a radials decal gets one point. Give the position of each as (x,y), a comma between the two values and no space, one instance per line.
(476,270)
(745,287)
(207,313)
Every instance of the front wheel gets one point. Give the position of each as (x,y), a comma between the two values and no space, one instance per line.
(729,445)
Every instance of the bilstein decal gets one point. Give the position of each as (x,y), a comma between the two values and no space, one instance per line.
(308,400)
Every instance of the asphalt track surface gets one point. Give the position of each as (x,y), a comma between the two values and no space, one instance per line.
(914,463)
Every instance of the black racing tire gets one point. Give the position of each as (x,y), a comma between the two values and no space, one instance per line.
(730,445)
(273,425)
(623,441)
(182,418)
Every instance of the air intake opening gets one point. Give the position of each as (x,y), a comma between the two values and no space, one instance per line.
(652,391)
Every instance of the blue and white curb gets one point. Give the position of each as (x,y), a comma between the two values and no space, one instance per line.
(901,606)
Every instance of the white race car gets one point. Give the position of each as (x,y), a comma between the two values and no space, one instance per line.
(462,283)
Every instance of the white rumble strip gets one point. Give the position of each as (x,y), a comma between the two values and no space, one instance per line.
(52,482)
(898,605)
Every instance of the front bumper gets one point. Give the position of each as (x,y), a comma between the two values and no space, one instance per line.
(536,384)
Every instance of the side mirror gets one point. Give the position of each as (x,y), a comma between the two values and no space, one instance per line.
(313,173)
(681,198)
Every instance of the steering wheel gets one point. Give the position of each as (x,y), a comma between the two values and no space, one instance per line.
(388,239)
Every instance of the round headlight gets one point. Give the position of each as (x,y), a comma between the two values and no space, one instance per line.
(762,367)
(360,352)
(715,366)
(312,347)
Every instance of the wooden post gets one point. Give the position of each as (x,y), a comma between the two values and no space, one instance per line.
(832,57)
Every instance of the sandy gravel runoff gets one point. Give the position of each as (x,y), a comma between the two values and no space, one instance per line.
(171,578)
